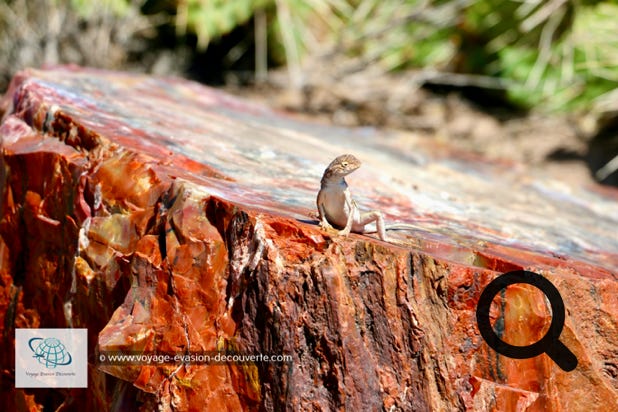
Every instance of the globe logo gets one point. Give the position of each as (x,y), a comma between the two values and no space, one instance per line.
(50,352)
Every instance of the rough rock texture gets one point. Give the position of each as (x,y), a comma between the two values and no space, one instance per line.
(166,216)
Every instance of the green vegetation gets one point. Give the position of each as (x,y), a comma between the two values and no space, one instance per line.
(87,8)
(555,54)
(210,19)
(550,55)
(545,54)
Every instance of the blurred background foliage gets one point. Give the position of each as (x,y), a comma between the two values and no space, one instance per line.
(543,54)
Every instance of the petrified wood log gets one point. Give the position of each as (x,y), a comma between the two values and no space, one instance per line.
(168,217)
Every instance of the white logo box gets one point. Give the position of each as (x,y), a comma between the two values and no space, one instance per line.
(51,358)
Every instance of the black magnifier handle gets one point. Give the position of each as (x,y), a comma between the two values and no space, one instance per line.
(560,354)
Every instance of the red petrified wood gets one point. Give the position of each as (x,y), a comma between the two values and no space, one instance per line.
(166,217)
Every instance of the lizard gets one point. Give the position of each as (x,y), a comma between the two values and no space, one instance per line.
(336,207)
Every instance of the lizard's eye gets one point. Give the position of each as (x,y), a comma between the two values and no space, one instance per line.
(344,164)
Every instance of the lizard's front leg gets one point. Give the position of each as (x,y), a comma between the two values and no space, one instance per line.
(323,221)
(374,216)
(350,208)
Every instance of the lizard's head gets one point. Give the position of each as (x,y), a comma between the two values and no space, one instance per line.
(343,165)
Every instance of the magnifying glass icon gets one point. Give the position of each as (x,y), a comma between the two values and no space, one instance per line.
(549,343)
